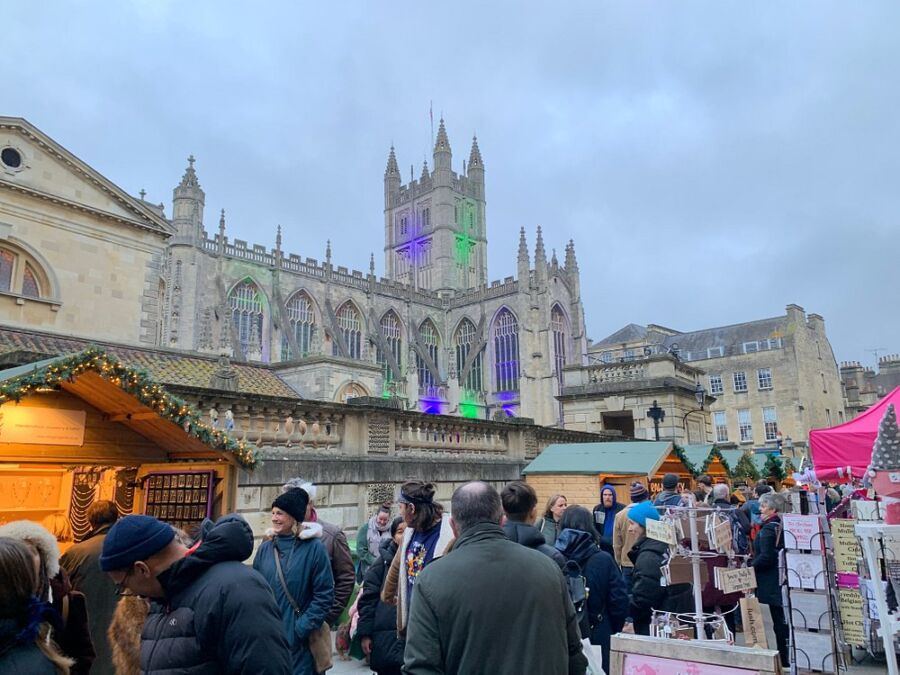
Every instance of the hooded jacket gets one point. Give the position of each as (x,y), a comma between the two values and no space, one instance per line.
(530,536)
(607,602)
(218,615)
(606,529)
(377,619)
(492,606)
(307,572)
(648,557)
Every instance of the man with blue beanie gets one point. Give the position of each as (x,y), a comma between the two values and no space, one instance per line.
(649,556)
(210,613)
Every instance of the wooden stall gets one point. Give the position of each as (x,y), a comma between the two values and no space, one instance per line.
(81,428)
(579,470)
(708,459)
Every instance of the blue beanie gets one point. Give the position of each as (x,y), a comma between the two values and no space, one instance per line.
(641,512)
(134,538)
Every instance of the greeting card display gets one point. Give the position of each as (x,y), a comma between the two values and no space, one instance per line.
(182,499)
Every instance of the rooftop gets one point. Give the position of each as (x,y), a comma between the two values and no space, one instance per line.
(627,458)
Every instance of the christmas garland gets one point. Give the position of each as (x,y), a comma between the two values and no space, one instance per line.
(138,384)
(679,453)
(715,452)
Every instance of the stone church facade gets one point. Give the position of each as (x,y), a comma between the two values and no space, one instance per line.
(433,332)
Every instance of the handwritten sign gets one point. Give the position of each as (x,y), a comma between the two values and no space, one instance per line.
(662,530)
(41,426)
(754,629)
(802,532)
(850,605)
(846,545)
(739,579)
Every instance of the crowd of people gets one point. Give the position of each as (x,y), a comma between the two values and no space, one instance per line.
(435,592)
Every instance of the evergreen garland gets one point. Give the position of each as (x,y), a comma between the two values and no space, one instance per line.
(679,453)
(138,384)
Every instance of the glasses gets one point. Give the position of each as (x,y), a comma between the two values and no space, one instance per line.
(120,587)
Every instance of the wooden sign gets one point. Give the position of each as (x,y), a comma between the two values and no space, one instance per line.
(739,579)
(802,532)
(754,629)
(662,530)
(846,545)
(41,426)
(850,605)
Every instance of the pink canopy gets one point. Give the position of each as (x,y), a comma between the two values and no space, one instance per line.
(845,451)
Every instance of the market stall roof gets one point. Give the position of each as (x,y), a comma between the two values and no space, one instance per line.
(129,397)
(622,458)
(732,457)
(844,451)
(702,454)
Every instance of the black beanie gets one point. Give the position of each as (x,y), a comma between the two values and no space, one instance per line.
(670,481)
(293,502)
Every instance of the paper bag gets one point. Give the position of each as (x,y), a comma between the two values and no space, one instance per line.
(754,629)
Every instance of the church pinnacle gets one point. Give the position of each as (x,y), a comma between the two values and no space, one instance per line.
(442,143)
(571,264)
(540,256)
(392,169)
(189,180)
(523,246)
(475,161)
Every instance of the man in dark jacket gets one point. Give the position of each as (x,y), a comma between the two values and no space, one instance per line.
(82,563)
(669,496)
(605,517)
(211,614)
(490,606)
(520,506)
(337,548)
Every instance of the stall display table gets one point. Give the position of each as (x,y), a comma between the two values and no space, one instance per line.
(871,535)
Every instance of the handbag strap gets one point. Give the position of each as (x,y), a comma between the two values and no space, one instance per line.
(281,579)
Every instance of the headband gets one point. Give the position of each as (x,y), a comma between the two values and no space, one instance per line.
(407,499)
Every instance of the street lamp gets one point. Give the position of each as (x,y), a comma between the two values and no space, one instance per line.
(700,395)
(657,414)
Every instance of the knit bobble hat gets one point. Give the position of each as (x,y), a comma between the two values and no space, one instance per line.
(134,538)
(670,481)
(642,512)
(638,492)
(293,502)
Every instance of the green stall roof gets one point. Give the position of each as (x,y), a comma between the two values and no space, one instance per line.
(622,458)
(734,456)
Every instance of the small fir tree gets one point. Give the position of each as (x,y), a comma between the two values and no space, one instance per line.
(775,468)
(886,450)
(745,468)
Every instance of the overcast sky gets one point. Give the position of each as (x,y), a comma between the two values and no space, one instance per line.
(713,161)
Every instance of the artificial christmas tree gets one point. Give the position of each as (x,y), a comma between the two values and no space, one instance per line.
(884,470)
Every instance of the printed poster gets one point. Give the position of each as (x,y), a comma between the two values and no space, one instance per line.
(850,605)
(638,664)
(846,545)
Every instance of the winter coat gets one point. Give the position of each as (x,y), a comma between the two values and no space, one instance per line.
(395,586)
(218,615)
(751,508)
(74,640)
(742,518)
(607,602)
(308,575)
(342,570)
(365,556)
(648,557)
(530,536)
(21,658)
(668,498)
(492,607)
(82,563)
(124,634)
(607,528)
(377,619)
(622,539)
(766,546)
(547,526)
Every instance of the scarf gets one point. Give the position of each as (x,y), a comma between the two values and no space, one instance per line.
(376,535)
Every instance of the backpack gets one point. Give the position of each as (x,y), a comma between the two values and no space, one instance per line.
(739,539)
(578,593)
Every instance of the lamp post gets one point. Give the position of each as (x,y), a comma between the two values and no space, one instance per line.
(657,414)
(700,395)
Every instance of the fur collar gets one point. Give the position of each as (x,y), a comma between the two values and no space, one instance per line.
(40,538)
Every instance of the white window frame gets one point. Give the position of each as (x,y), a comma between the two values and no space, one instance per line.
(715,352)
(745,425)
(715,384)
(764,375)
(751,347)
(720,423)
(770,423)
(734,381)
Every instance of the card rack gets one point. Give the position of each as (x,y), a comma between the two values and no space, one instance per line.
(181,498)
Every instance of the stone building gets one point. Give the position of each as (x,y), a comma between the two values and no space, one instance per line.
(773,379)
(863,386)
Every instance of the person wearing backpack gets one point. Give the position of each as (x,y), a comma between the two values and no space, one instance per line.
(649,556)
(740,521)
(592,572)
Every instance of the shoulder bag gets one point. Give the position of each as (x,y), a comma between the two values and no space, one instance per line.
(320,638)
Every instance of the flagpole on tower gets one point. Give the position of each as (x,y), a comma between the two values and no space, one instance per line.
(431,117)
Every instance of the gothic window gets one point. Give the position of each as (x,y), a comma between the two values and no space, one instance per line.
(7,262)
(19,273)
(430,343)
(426,217)
(302,323)
(391,331)
(464,342)
(506,352)
(247,314)
(402,264)
(558,327)
(422,252)
(350,325)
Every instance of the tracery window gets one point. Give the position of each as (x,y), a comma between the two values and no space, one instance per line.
(391,331)
(506,352)
(247,314)
(350,325)
(302,323)
(430,343)
(558,328)
(464,341)
(18,274)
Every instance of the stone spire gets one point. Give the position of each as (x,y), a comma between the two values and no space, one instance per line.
(540,257)
(328,252)
(425,174)
(524,264)
(571,264)
(475,161)
(189,179)
(442,143)
(475,170)
(278,239)
(220,244)
(188,200)
(442,156)
(392,169)
(553,261)
(372,264)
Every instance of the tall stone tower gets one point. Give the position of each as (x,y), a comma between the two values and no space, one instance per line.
(435,235)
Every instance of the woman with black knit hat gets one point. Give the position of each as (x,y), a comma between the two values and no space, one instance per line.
(296,566)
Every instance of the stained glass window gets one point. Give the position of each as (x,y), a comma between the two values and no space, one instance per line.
(247,314)
(7,262)
(391,331)
(506,352)
(350,326)
(464,342)
(558,326)
(302,323)
(429,342)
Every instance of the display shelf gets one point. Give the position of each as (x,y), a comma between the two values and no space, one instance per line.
(871,534)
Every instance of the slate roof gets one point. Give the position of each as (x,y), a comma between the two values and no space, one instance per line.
(629,333)
(728,336)
(165,367)
(623,458)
